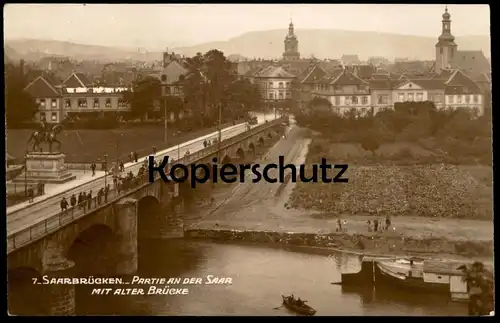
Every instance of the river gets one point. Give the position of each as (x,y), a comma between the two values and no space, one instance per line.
(260,275)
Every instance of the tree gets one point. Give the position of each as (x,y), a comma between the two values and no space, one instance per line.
(370,142)
(145,92)
(20,106)
(174,105)
(480,288)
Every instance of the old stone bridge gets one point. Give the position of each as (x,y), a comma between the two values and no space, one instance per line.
(103,240)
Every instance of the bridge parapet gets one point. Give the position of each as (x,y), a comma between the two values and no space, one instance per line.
(50,225)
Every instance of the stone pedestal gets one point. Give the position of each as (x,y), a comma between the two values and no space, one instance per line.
(45,167)
(60,297)
(126,236)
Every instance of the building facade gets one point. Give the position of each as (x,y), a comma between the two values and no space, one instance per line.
(275,84)
(74,97)
(346,93)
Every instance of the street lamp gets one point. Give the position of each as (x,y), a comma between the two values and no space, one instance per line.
(105,176)
(26,173)
(118,150)
(165,121)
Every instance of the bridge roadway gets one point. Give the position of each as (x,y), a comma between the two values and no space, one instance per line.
(30,214)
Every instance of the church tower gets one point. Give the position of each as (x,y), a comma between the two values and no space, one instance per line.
(291,45)
(445,47)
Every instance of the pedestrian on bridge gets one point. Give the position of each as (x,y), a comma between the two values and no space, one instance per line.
(136,156)
(89,199)
(31,194)
(64,204)
(72,200)
(106,192)
(100,194)
(80,200)
(122,166)
(93,166)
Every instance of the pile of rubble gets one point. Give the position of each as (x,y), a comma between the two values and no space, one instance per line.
(425,190)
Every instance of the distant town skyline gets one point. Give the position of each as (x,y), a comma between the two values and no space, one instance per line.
(154,26)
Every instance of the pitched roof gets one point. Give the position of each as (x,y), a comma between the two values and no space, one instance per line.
(429,84)
(363,71)
(77,80)
(42,88)
(312,74)
(252,71)
(383,84)
(472,62)
(274,72)
(173,72)
(347,78)
(460,83)
(296,67)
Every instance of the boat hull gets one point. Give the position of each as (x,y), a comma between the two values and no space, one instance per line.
(384,278)
(306,310)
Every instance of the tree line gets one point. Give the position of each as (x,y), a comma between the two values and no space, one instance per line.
(211,86)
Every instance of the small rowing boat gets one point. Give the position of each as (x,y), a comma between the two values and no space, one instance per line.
(297,305)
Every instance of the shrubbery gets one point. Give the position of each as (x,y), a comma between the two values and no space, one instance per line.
(457,135)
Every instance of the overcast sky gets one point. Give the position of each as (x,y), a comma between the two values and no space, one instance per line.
(155,26)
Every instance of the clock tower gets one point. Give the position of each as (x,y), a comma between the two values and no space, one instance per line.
(291,45)
(445,47)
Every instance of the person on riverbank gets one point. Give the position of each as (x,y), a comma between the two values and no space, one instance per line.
(375,225)
(339,225)
(387,223)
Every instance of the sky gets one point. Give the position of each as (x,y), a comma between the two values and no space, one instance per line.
(148,25)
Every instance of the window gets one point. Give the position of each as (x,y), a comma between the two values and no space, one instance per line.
(82,103)
(270,84)
(281,95)
(42,116)
(363,111)
(108,103)
(271,96)
(337,100)
(176,89)
(401,97)
(380,99)
(288,85)
(449,99)
(96,103)
(163,78)
(121,103)
(336,110)
(364,100)
(354,100)
(53,116)
(280,85)
(467,98)
(347,100)
(420,97)
(437,98)
(410,96)
(476,98)
(459,98)
(53,103)
(167,90)
(42,103)
(67,104)
(288,94)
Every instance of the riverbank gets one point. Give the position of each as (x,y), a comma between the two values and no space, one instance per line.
(262,208)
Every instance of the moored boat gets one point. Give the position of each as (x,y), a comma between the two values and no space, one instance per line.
(291,303)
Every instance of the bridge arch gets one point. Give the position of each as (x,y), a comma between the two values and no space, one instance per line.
(91,249)
(148,210)
(251,147)
(261,141)
(226,159)
(24,296)
(240,153)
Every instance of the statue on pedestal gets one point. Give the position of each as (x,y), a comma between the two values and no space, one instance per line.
(46,135)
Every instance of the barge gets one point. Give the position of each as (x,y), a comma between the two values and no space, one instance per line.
(412,274)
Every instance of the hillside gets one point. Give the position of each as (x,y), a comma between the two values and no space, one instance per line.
(266,44)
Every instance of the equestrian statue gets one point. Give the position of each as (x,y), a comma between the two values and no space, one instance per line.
(46,135)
